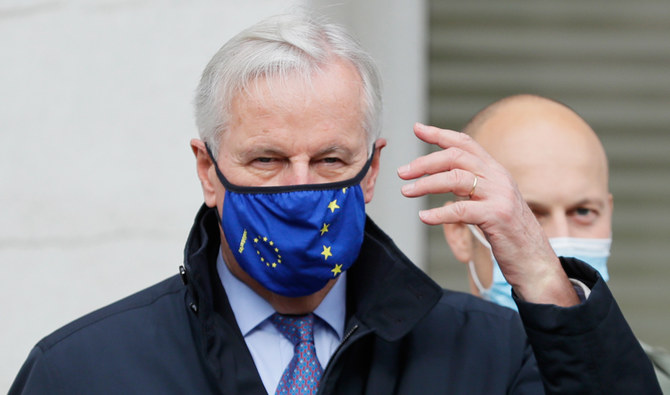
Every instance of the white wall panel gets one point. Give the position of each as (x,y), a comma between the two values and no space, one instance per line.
(97,181)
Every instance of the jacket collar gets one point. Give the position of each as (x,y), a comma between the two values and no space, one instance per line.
(385,291)
(200,252)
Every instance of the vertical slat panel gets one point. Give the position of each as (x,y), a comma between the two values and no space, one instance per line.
(610,61)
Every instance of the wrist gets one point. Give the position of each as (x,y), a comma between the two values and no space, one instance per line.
(548,284)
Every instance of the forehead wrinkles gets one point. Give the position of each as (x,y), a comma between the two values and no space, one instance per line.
(277,109)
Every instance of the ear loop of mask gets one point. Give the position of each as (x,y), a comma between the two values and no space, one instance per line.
(471,263)
(475,278)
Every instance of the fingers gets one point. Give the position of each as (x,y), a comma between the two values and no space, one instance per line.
(459,182)
(459,211)
(500,208)
(495,204)
(445,138)
(444,160)
(463,167)
(459,151)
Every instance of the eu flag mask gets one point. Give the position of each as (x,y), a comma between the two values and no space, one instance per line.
(294,239)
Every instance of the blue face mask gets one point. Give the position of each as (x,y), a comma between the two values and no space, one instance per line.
(294,239)
(592,251)
(500,292)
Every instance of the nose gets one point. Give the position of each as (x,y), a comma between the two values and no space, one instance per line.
(557,225)
(297,174)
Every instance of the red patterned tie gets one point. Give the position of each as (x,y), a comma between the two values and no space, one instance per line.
(302,374)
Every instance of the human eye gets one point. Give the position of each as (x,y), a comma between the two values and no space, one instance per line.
(584,215)
(583,211)
(266,162)
(331,167)
(331,160)
(539,212)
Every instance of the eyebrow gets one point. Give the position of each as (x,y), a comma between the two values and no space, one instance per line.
(258,150)
(273,150)
(336,149)
(588,201)
(584,202)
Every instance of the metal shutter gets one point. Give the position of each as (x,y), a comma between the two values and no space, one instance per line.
(610,61)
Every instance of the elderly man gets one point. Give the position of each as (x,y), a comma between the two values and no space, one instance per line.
(561,169)
(288,288)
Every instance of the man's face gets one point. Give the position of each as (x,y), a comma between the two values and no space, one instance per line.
(290,133)
(560,168)
(561,171)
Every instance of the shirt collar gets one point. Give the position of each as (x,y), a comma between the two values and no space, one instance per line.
(250,309)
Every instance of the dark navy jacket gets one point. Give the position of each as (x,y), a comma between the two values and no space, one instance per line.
(404,335)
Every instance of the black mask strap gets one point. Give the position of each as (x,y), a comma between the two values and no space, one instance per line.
(292,188)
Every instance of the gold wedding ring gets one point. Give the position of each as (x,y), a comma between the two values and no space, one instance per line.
(474,185)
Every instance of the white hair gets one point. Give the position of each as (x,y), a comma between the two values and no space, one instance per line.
(283,45)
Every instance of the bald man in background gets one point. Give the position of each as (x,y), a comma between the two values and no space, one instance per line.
(561,169)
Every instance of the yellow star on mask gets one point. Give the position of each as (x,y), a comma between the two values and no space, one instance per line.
(336,270)
(326,252)
(324,229)
(333,205)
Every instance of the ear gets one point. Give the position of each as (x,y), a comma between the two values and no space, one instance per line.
(610,200)
(459,239)
(368,183)
(205,169)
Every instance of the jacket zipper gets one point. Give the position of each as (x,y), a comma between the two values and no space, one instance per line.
(346,337)
(337,352)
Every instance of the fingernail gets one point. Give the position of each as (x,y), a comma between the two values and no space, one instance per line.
(408,188)
(423,214)
(403,169)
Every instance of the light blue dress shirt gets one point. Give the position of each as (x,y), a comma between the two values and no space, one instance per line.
(270,350)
